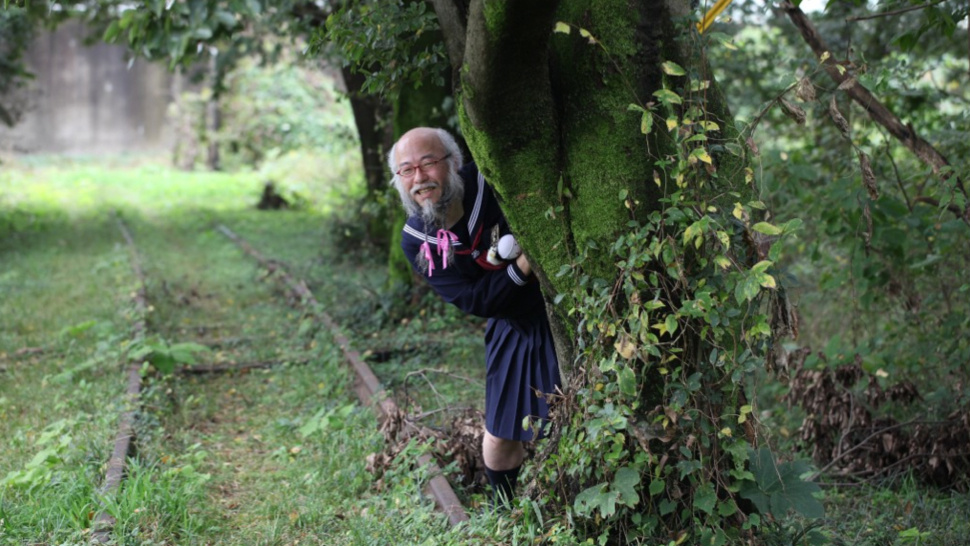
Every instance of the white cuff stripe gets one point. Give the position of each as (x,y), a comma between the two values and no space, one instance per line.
(515,276)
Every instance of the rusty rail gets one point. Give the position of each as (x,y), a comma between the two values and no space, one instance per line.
(366,384)
(104,522)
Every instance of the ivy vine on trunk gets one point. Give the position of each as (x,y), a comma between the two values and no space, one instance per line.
(623,176)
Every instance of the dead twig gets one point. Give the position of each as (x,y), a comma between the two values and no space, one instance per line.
(224,368)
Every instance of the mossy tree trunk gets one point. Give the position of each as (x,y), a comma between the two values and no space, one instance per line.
(546,116)
(556,103)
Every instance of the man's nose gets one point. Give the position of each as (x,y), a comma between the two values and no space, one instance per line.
(419,176)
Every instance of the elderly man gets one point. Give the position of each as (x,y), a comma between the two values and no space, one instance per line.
(453,222)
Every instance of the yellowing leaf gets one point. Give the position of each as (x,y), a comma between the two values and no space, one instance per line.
(672,69)
(646,123)
(701,153)
(694,231)
(766,228)
(586,34)
(671,124)
(726,431)
(738,211)
(562,28)
(670,323)
(667,96)
(710,126)
(625,347)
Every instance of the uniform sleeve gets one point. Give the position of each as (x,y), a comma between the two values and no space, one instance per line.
(495,293)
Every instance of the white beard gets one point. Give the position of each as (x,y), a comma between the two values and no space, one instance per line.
(434,215)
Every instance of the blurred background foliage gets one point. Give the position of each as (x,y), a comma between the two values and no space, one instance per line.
(882,280)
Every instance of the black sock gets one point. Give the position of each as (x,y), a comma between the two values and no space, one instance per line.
(503,485)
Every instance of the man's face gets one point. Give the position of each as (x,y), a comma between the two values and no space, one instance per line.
(423,153)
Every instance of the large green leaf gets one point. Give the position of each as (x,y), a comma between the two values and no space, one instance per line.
(779,488)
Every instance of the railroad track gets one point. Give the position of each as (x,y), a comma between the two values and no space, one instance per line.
(366,384)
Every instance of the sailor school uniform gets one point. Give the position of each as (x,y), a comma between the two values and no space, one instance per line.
(520,356)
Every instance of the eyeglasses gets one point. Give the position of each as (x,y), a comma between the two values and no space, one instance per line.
(425,166)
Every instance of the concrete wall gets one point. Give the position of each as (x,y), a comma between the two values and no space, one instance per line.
(90,99)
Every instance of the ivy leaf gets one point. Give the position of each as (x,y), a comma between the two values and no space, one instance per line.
(627,379)
(625,484)
(671,68)
(670,323)
(778,488)
(625,347)
(761,266)
(667,96)
(701,154)
(792,225)
(746,289)
(646,123)
(596,498)
(766,228)
(705,498)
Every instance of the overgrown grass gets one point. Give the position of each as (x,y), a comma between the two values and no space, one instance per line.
(269,456)
(275,455)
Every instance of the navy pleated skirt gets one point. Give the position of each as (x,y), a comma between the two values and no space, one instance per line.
(521,367)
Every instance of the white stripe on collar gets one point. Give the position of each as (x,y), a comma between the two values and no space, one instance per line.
(473,217)
(425,237)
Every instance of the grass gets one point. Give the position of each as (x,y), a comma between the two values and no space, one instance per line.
(270,456)
(275,455)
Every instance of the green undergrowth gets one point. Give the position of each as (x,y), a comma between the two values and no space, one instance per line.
(274,453)
(278,451)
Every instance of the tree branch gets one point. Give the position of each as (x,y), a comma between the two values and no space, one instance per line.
(876,110)
(453,21)
(891,13)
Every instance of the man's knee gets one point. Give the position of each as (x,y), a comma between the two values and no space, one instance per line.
(500,453)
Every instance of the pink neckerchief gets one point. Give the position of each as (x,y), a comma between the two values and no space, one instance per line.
(444,241)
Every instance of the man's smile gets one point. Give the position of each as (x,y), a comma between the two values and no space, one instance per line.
(423,189)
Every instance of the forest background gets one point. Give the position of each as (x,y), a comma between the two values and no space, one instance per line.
(853,295)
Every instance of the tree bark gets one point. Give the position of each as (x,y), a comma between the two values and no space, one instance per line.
(212,117)
(371,116)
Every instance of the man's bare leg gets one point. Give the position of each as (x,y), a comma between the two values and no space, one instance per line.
(503,458)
